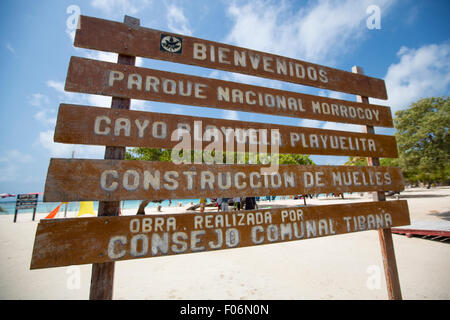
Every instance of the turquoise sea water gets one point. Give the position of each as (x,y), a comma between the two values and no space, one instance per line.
(9,207)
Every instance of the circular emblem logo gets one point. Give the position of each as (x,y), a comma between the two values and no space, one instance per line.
(171,44)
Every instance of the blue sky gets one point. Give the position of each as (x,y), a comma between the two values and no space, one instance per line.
(411,52)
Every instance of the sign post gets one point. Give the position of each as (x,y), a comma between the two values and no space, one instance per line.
(102,279)
(385,234)
(26,201)
(103,240)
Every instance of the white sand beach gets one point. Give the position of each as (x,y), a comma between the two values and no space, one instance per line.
(337,267)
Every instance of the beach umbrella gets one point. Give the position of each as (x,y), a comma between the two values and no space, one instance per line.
(86,207)
(6,195)
(54,212)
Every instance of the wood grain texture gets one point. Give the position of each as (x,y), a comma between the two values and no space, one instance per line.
(114,180)
(105,78)
(110,36)
(62,242)
(101,126)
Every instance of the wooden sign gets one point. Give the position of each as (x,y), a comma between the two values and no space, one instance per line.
(102,126)
(113,180)
(26,201)
(117,37)
(63,242)
(98,77)
(108,238)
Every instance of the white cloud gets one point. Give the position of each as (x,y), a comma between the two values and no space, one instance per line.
(245,79)
(98,101)
(120,7)
(175,110)
(329,125)
(78,98)
(102,56)
(9,172)
(420,73)
(329,160)
(16,156)
(318,33)
(177,21)
(10,48)
(342,126)
(58,86)
(81,98)
(46,117)
(412,15)
(11,163)
(139,62)
(336,95)
(71,34)
(37,99)
(310,123)
(230,115)
(108,57)
(140,105)
(64,96)
(61,150)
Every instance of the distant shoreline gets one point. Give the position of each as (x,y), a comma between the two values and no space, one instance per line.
(8,206)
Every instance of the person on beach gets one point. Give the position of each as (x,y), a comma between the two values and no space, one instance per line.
(144,203)
(219,204)
(250,203)
(202,204)
(237,203)
(224,205)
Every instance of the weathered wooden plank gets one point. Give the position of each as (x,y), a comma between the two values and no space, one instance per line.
(98,34)
(101,126)
(99,77)
(113,180)
(63,242)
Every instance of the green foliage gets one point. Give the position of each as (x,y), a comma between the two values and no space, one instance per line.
(423,140)
(150,154)
(356,161)
(389,162)
(295,159)
(265,158)
(361,161)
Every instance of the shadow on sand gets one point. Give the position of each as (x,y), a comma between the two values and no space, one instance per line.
(422,195)
(443,215)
